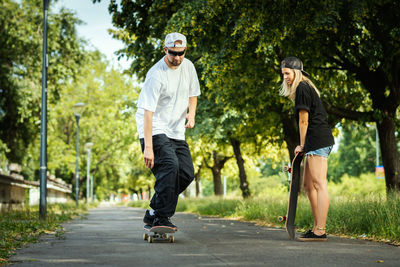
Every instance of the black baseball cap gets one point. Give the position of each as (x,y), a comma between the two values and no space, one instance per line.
(293,63)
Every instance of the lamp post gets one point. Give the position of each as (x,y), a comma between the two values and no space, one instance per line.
(91,187)
(78,109)
(88,148)
(43,121)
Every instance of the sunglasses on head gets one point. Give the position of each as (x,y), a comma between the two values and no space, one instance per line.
(176,53)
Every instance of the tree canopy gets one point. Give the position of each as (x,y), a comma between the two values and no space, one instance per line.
(350,47)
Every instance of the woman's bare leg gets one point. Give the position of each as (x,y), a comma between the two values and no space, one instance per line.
(310,191)
(317,168)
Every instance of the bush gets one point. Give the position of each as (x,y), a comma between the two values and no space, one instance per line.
(354,187)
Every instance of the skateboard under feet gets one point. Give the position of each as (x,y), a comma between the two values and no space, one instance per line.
(158,233)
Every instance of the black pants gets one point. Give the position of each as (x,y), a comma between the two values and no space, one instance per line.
(174,171)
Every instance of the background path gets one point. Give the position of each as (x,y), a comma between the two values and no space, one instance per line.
(113,236)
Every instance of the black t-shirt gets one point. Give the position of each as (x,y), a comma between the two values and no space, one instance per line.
(319,134)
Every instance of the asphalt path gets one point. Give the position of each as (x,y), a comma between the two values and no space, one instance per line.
(113,236)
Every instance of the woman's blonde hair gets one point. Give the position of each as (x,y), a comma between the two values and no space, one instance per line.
(290,90)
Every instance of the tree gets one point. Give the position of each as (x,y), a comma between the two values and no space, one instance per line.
(20,68)
(362,39)
(356,153)
(349,46)
(359,38)
(107,121)
(154,21)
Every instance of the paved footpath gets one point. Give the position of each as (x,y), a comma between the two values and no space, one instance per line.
(113,236)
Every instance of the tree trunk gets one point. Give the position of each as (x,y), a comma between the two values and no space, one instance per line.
(390,155)
(244,186)
(375,82)
(197,180)
(219,162)
(217,180)
(141,194)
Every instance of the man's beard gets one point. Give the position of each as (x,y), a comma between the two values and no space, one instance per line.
(175,63)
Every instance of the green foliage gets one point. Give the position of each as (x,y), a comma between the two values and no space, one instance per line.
(144,204)
(270,186)
(237,47)
(20,75)
(3,157)
(356,187)
(74,75)
(216,207)
(380,217)
(356,153)
(107,121)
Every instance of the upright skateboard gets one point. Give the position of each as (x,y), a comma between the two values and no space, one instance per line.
(158,233)
(294,189)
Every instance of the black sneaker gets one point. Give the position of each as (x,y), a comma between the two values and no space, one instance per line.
(306,234)
(148,219)
(164,222)
(311,237)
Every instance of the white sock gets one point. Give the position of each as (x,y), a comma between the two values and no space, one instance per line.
(151,212)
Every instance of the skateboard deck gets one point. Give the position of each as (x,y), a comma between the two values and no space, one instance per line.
(294,188)
(158,233)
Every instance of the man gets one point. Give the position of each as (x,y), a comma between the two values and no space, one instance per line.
(167,99)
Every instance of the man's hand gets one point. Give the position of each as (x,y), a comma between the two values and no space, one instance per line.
(148,155)
(190,121)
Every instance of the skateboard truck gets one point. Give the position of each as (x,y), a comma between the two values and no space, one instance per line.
(158,237)
(158,233)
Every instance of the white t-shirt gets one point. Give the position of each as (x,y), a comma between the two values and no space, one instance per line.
(166,92)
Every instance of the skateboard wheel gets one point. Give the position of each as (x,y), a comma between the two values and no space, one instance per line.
(165,236)
(285,169)
(150,239)
(282,218)
(171,239)
(145,236)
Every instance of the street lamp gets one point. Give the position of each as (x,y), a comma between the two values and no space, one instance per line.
(91,187)
(88,148)
(43,121)
(78,109)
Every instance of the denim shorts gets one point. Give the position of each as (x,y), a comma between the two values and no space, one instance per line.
(323,152)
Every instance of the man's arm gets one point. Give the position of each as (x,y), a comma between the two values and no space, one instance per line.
(148,153)
(192,112)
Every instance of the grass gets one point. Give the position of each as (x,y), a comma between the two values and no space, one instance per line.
(18,228)
(368,217)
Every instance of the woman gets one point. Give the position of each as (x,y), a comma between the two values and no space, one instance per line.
(316,141)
